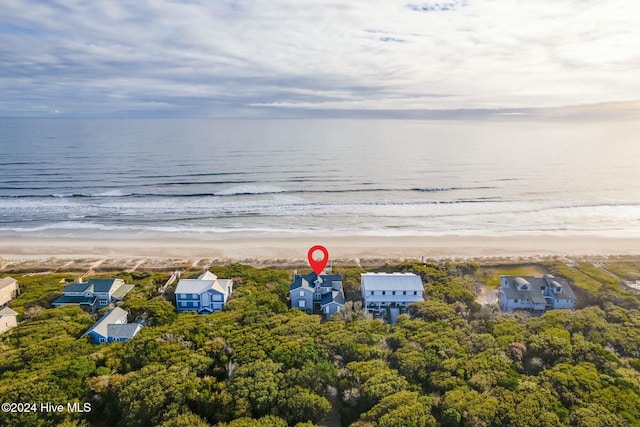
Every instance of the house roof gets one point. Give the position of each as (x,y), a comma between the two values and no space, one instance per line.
(122,291)
(65,299)
(308,281)
(336,297)
(102,285)
(207,275)
(78,287)
(391,281)
(128,330)
(114,316)
(197,286)
(567,292)
(8,312)
(537,284)
(7,281)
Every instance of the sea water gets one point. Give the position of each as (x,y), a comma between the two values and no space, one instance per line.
(78,177)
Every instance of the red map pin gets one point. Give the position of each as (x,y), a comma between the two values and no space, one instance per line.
(318,266)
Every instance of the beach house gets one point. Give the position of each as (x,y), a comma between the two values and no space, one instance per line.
(317,293)
(390,291)
(535,294)
(204,295)
(8,319)
(9,289)
(95,293)
(113,327)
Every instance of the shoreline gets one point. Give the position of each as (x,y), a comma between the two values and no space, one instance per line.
(294,248)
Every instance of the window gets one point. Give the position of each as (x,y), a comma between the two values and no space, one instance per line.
(384,292)
(194,296)
(516,300)
(302,303)
(301,293)
(326,309)
(371,292)
(404,292)
(393,292)
(415,292)
(103,340)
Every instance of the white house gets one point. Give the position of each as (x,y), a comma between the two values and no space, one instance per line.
(206,294)
(8,319)
(535,294)
(382,291)
(9,289)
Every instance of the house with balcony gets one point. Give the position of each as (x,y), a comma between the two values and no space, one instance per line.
(93,294)
(317,293)
(390,292)
(204,295)
(535,294)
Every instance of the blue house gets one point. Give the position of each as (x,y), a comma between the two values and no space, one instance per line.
(204,295)
(317,294)
(96,293)
(535,294)
(113,327)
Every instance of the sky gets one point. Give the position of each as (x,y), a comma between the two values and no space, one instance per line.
(312,58)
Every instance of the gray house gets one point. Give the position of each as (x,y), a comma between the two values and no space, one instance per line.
(535,294)
(317,294)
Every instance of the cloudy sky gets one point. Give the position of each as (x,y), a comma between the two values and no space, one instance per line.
(279,58)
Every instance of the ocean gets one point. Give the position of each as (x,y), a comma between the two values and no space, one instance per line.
(149,177)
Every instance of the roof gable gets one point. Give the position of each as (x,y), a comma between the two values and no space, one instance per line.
(8,312)
(308,281)
(117,315)
(197,286)
(7,281)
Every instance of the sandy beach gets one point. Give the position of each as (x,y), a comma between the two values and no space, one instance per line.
(239,248)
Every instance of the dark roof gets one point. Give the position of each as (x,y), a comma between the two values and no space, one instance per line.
(327,280)
(333,296)
(64,299)
(76,287)
(101,285)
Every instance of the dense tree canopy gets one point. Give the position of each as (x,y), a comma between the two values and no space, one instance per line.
(259,363)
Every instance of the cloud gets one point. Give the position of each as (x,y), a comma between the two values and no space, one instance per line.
(229,58)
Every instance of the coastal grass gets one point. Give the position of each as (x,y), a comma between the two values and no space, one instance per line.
(490,275)
(39,290)
(626,269)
